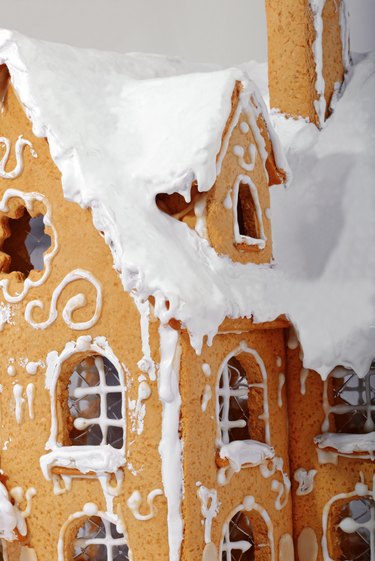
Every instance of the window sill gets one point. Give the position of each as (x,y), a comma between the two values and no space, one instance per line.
(347,445)
(84,459)
(245,453)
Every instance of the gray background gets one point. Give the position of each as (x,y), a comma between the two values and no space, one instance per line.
(224,31)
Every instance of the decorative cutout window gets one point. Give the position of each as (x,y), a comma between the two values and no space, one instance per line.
(23,243)
(247,211)
(356,530)
(246,535)
(95,404)
(87,388)
(349,407)
(99,540)
(242,410)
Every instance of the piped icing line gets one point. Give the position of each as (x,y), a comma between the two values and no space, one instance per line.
(145,364)
(89,510)
(280,387)
(137,408)
(19,401)
(6,315)
(344,32)
(21,143)
(248,505)
(320,104)
(239,238)
(206,397)
(360,490)
(73,304)
(108,459)
(134,503)
(28,199)
(210,506)
(170,447)
(305,480)
(30,394)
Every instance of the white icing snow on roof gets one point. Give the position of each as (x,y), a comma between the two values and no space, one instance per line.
(120,135)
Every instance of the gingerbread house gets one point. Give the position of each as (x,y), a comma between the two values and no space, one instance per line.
(156,402)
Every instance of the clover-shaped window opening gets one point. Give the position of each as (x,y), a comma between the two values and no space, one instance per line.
(95,402)
(177,207)
(99,540)
(241,400)
(245,538)
(355,523)
(23,242)
(352,401)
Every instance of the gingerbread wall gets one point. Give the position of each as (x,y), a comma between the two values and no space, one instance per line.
(328,480)
(209,504)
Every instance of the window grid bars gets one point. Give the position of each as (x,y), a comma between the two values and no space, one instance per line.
(227,546)
(107,540)
(102,390)
(363,389)
(369,526)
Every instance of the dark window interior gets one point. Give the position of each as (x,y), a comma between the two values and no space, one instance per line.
(246,213)
(99,540)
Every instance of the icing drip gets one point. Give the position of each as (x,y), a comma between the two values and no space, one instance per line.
(279,362)
(138,408)
(320,104)
(30,393)
(111,491)
(207,395)
(239,238)
(292,342)
(19,401)
(280,389)
(209,508)
(28,200)
(200,211)
(21,143)
(135,500)
(146,364)
(170,447)
(32,367)
(305,481)
(206,369)
(73,304)
(28,554)
(228,202)
(303,378)
(281,488)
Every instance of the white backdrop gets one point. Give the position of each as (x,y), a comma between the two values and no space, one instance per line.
(224,31)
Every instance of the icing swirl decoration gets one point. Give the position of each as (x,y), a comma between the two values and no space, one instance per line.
(74,303)
(21,143)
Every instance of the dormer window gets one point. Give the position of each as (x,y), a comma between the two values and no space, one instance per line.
(247,215)
(349,405)
(241,409)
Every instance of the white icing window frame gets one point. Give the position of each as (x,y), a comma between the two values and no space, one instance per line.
(97,459)
(220,392)
(361,490)
(239,238)
(328,439)
(248,505)
(89,510)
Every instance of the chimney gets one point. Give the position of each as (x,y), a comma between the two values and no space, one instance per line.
(308,55)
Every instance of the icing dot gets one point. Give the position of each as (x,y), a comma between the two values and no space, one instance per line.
(11,370)
(90,509)
(244,127)
(31,368)
(206,369)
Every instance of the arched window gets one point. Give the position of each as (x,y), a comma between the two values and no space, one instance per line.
(99,540)
(241,396)
(356,530)
(352,401)
(247,535)
(96,403)
(247,215)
